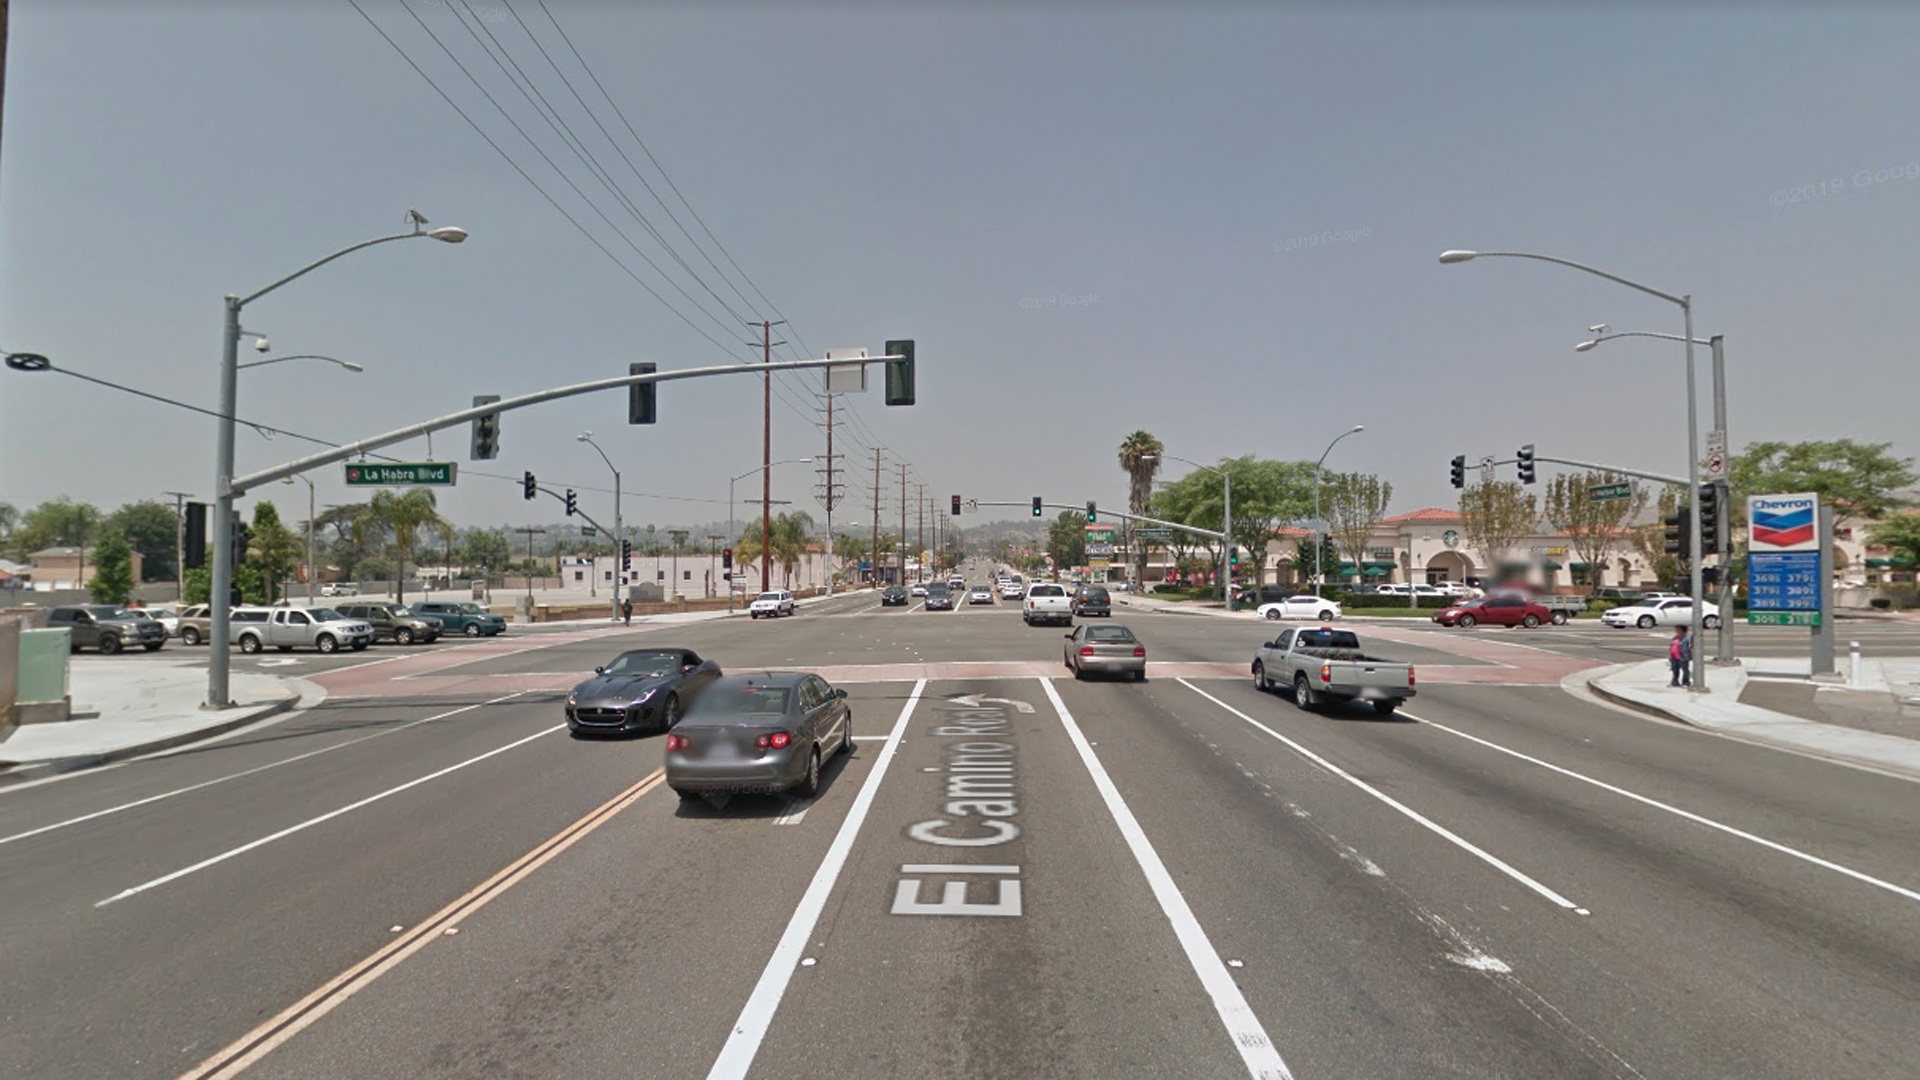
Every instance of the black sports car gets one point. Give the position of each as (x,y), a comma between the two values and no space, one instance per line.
(641,689)
(893,596)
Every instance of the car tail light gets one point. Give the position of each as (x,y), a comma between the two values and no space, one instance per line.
(1409,674)
(1326,673)
(1086,650)
(779,740)
(678,742)
(1140,651)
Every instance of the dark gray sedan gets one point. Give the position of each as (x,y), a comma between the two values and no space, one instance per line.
(641,689)
(1107,647)
(761,733)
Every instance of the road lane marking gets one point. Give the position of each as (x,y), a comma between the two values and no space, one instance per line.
(1436,828)
(1816,860)
(750,1029)
(302,1014)
(1262,1059)
(248,772)
(328,816)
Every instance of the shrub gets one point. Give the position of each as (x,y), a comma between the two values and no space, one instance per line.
(1882,603)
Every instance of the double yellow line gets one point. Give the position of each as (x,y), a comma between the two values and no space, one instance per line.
(263,1040)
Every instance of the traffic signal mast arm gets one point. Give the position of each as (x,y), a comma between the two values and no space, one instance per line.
(581,513)
(242,484)
(1081,507)
(1679,481)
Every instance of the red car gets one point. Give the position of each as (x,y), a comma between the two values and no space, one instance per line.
(1495,611)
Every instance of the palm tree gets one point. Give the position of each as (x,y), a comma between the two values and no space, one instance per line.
(1140,457)
(791,535)
(405,515)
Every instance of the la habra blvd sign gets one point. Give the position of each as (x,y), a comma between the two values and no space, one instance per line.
(365,474)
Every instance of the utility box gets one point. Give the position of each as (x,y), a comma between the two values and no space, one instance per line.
(41,691)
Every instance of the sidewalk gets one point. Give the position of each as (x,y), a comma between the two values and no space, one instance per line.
(1837,730)
(125,710)
(588,623)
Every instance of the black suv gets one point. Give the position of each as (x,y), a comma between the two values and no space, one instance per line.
(1092,600)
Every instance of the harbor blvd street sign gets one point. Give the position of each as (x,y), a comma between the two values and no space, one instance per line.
(367,474)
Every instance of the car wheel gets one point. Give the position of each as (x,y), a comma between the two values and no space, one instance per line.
(109,644)
(152,646)
(809,785)
(403,636)
(1326,616)
(1302,693)
(249,644)
(1530,621)
(1079,673)
(1646,622)
(846,736)
(1711,622)
(1140,676)
(326,643)
(1467,621)
(190,635)
(1559,618)
(670,712)
(685,795)
(1274,614)
(473,629)
(1260,682)
(1385,708)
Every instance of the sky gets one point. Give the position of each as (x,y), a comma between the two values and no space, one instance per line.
(1217,223)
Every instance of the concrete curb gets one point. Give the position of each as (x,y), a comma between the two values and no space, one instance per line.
(40,770)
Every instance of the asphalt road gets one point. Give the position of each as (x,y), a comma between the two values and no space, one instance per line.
(1184,877)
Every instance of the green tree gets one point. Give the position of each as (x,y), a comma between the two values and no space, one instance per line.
(1593,526)
(1495,516)
(406,516)
(9,520)
(1857,480)
(112,581)
(273,549)
(1140,459)
(151,528)
(1067,539)
(198,586)
(57,523)
(1355,503)
(1900,533)
(485,549)
(1650,540)
(792,533)
(1266,495)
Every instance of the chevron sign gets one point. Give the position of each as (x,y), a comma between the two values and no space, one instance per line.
(1783,522)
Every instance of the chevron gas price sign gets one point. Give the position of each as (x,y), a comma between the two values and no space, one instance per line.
(1784,560)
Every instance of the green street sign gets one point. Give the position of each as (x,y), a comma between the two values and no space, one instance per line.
(588,530)
(1602,492)
(1784,618)
(1154,534)
(368,474)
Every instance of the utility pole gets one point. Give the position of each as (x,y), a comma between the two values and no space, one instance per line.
(876,517)
(179,497)
(829,499)
(920,508)
(766,454)
(530,533)
(903,522)
(713,555)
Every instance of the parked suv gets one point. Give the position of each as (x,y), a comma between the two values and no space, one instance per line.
(462,617)
(340,588)
(196,623)
(284,628)
(394,622)
(107,627)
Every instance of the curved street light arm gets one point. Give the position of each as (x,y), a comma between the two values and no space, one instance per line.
(1645,333)
(1596,272)
(318,263)
(347,364)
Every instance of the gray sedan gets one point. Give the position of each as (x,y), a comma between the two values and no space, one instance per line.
(1105,648)
(760,733)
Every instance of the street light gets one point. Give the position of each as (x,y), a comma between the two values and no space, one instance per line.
(1723,640)
(311,572)
(348,364)
(618,530)
(1319,536)
(763,538)
(1226,527)
(220,654)
(1685,302)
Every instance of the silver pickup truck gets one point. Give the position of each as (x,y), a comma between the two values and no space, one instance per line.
(1322,665)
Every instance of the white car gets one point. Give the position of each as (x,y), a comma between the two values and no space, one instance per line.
(919,588)
(771,604)
(1457,588)
(979,594)
(1301,607)
(1011,590)
(166,617)
(340,588)
(1667,611)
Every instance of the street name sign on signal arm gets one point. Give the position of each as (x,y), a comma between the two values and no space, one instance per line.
(1154,534)
(374,474)
(1601,492)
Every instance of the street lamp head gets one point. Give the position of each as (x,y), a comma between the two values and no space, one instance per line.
(1597,328)
(260,345)
(584,436)
(351,366)
(1357,429)
(1585,346)
(1457,256)
(452,234)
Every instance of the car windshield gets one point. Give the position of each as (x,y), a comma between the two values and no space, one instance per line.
(1096,593)
(1047,590)
(1328,639)
(743,701)
(938,587)
(1109,633)
(325,614)
(471,609)
(645,664)
(769,596)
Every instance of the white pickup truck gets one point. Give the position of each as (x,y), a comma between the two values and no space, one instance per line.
(1323,665)
(1047,603)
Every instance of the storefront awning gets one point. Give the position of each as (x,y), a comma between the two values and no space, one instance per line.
(1374,571)
(1551,565)
(1581,566)
(1896,563)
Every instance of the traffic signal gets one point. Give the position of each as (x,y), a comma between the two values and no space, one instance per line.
(486,431)
(1093,512)
(640,399)
(1460,470)
(726,559)
(1037,511)
(1709,519)
(900,373)
(1233,556)
(528,488)
(956,506)
(194,546)
(1526,463)
(242,537)
(1677,524)
(1710,576)
(573,504)
(626,554)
